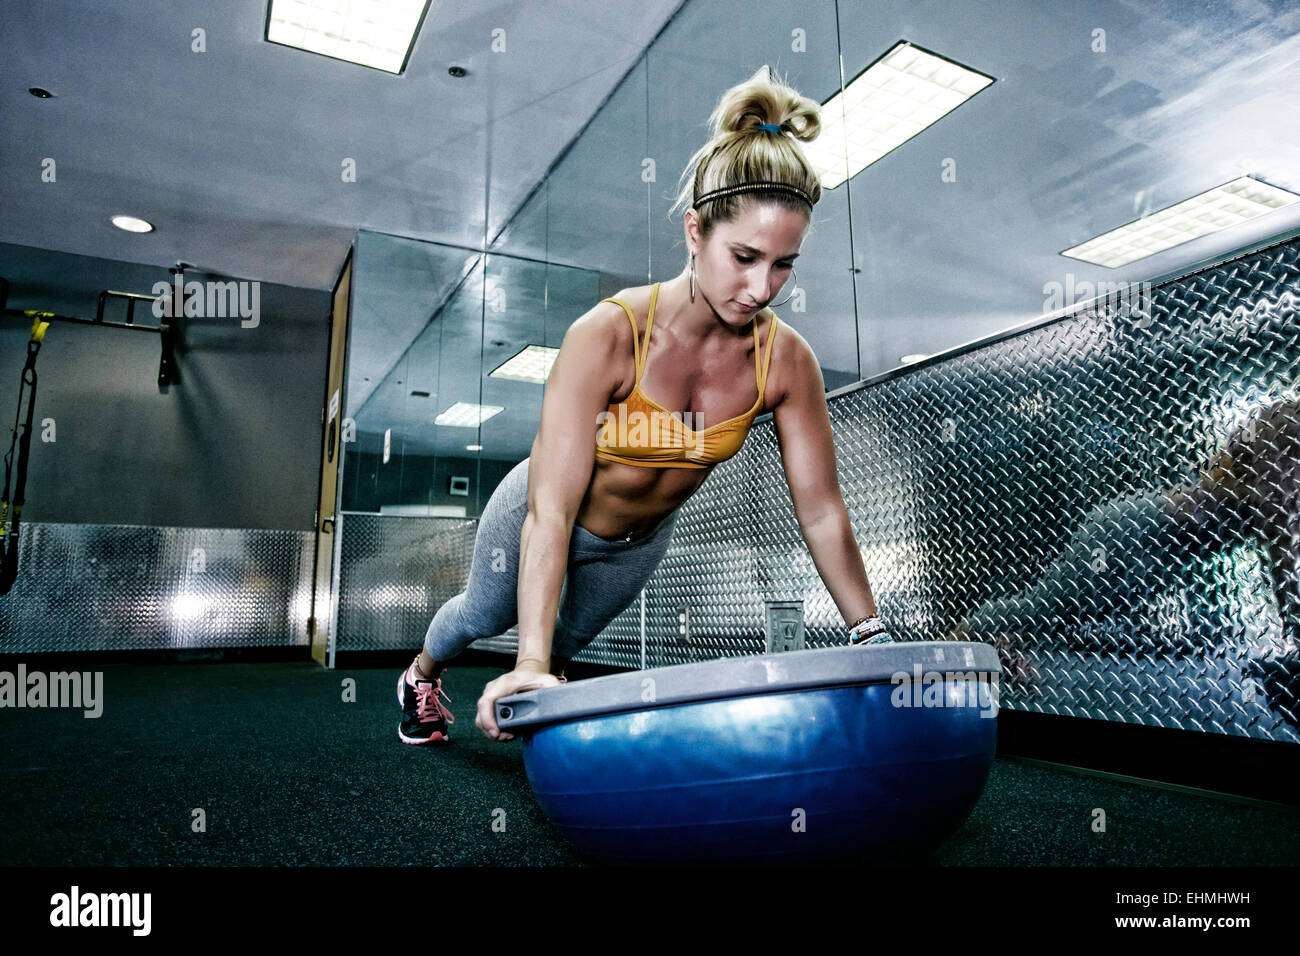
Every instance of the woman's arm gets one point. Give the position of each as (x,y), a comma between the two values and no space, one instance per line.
(586,373)
(803,429)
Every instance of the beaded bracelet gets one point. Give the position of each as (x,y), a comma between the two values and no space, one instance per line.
(869,630)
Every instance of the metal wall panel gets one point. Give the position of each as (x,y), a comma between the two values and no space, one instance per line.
(395,572)
(127,587)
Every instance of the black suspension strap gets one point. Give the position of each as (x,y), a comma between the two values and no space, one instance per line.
(9,523)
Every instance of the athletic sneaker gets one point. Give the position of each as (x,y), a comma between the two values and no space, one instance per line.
(424,718)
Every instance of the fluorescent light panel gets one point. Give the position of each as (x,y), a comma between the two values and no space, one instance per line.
(374,33)
(1224,206)
(467,415)
(530,364)
(898,96)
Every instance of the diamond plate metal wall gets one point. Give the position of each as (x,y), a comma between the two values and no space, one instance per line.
(1110,498)
(128,587)
(394,574)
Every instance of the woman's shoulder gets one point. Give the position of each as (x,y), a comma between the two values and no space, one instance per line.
(637,298)
(606,322)
(792,358)
(789,341)
(609,313)
(612,305)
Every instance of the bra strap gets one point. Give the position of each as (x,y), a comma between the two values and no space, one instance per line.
(767,359)
(636,345)
(638,350)
(650,321)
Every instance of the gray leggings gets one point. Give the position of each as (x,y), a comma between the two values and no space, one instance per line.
(602,579)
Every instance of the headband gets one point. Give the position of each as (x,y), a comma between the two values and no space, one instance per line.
(753,187)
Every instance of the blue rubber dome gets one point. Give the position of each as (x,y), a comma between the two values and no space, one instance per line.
(866,754)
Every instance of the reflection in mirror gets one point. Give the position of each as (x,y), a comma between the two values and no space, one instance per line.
(527,308)
(441,412)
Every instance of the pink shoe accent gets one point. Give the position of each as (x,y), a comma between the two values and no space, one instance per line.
(429,707)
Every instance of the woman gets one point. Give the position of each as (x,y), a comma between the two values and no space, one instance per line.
(570,537)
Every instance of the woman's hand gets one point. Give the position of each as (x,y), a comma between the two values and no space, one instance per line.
(527,675)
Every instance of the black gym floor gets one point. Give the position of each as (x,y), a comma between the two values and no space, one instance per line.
(289,773)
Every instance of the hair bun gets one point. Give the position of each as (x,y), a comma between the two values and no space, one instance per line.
(740,151)
(765,99)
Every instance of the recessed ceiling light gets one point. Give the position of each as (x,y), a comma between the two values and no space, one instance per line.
(530,364)
(131,224)
(473,447)
(893,99)
(1224,206)
(374,33)
(467,415)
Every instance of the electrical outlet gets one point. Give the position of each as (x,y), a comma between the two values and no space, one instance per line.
(784,626)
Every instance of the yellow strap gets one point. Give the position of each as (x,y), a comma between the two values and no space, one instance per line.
(767,357)
(636,334)
(39,328)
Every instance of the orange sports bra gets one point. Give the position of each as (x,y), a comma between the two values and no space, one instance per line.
(639,431)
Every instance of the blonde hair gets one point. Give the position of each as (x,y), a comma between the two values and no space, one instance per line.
(740,152)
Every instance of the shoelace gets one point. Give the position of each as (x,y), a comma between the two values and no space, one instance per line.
(428,707)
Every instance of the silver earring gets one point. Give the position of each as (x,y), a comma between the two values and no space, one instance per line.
(795,276)
(692,277)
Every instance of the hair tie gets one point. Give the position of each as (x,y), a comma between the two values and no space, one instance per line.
(769,127)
